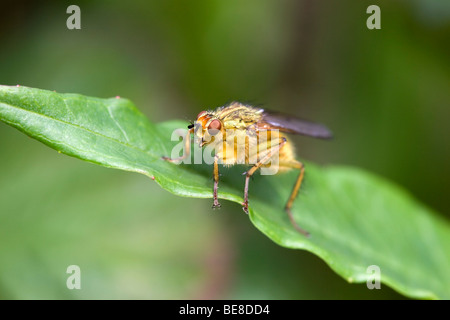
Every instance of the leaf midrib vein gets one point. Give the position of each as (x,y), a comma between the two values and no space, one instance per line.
(79,127)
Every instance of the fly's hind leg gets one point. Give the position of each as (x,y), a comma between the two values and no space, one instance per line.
(294,164)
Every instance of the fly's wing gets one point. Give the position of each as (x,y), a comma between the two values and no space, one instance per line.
(290,124)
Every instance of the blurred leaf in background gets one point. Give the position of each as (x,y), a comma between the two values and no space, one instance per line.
(384,93)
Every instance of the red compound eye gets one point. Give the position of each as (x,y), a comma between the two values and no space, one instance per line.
(201,114)
(215,125)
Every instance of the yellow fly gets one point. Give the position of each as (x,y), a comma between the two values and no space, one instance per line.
(243,134)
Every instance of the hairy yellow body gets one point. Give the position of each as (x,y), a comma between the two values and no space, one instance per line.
(243,134)
(241,141)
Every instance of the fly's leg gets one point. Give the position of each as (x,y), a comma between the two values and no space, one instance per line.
(258,165)
(187,148)
(216,203)
(291,164)
(298,183)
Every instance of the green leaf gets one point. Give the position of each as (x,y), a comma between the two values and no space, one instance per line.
(355,219)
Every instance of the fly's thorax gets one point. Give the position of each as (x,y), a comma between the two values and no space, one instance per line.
(239,116)
(234,146)
(247,146)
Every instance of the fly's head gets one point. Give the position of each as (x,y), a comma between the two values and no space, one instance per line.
(207,128)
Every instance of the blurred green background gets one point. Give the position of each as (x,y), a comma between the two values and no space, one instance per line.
(385,94)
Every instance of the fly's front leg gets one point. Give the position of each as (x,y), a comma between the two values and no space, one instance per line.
(187,148)
(258,165)
(216,203)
